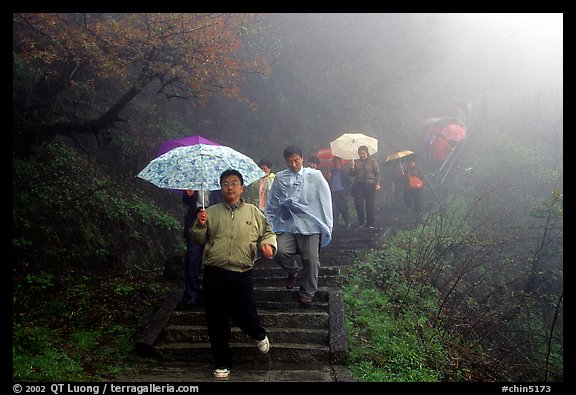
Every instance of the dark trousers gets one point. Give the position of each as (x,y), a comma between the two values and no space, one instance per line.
(364,199)
(412,198)
(229,296)
(340,206)
(192,264)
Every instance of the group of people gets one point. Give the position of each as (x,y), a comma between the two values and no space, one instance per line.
(362,180)
(290,214)
(282,215)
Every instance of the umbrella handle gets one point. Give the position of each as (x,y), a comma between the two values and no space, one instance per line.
(203,195)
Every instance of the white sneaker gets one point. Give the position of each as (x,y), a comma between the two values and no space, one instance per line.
(221,373)
(263,345)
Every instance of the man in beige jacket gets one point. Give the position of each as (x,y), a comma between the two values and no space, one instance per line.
(232,233)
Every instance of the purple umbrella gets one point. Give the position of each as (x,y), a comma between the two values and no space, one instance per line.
(183,142)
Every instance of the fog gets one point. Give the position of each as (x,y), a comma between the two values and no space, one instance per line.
(384,73)
(95,96)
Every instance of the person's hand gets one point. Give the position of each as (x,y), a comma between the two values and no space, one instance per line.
(190,192)
(378,187)
(202,216)
(267,251)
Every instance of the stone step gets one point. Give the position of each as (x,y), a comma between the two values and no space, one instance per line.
(303,318)
(277,271)
(279,282)
(277,335)
(245,353)
(201,372)
(275,294)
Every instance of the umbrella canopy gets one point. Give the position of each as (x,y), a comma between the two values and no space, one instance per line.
(454,132)
(346,146)
(198,167)
(392,158)
(183,142)
(325,156)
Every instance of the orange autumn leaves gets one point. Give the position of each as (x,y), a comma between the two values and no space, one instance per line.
(191,55)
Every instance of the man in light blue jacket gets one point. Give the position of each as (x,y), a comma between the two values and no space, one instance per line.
(299,209)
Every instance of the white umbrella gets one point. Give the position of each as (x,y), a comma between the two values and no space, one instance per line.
(346,146)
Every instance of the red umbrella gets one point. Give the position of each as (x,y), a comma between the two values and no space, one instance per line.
(454,132)
(325,156)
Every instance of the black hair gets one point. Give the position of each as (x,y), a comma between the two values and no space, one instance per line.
(231,172)
(364,148)
(265,162)
(314,159)
(292,150)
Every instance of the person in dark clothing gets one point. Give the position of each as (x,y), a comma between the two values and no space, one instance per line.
(413,184)
(339,181)
(366,175)
(193,258)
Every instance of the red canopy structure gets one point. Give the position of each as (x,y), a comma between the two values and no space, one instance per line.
(325,156)
(454,132)
(449,127)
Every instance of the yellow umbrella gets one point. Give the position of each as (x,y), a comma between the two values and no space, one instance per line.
(398,155)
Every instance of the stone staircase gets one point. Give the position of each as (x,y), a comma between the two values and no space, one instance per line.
(309,338)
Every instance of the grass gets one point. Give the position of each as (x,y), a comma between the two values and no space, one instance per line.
(388,327)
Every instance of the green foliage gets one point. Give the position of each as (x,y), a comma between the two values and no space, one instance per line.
(88,252)
(37,356)
(42,354)
(465,288)
(389,343)
(67,211)
(85,340)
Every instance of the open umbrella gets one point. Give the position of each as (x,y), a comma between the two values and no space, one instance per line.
(454,131)
(198,167)
(325,156)
(183,142)
(346,146)
(396,156)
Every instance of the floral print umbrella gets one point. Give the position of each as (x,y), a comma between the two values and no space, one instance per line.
(199,167)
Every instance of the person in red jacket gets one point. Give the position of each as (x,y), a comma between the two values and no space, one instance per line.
(440,151)
(414,183)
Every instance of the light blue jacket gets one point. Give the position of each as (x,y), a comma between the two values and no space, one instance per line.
(304,208)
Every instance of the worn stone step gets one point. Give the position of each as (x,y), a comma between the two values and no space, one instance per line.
(199,372)
(291,305)
(277,271)
(304,318)
(245,353)
(326,281)
(275,294)
(276,303)
(199,333)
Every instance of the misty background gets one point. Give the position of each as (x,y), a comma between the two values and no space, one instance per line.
(95,95)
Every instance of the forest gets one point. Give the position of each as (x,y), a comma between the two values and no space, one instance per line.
(95,95)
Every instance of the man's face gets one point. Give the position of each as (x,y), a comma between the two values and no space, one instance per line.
(362,154)
(294,163)
(231,188)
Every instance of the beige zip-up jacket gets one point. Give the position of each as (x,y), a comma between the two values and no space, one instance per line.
(232,237)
